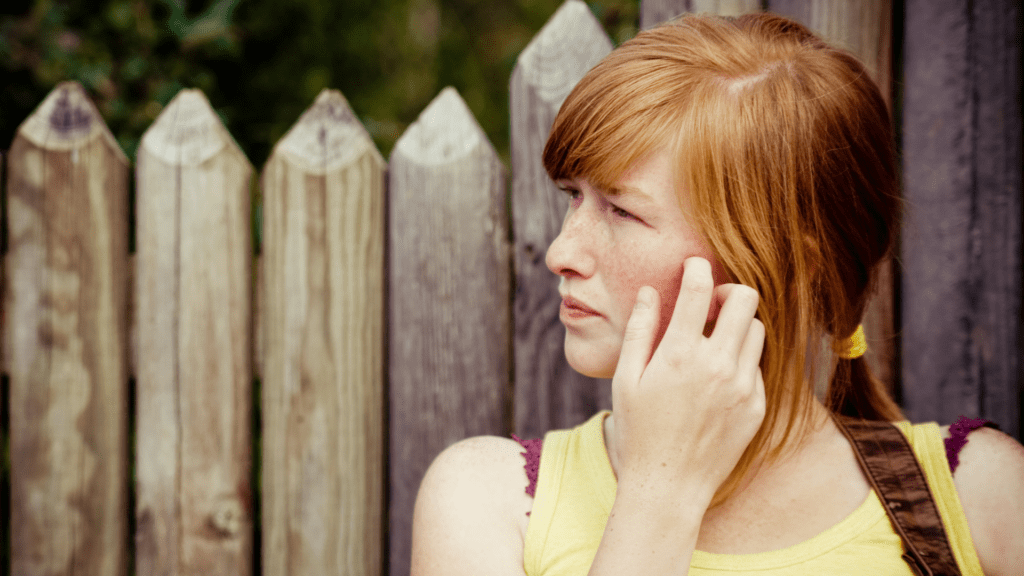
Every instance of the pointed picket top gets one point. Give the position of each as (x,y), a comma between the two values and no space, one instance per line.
(327,136)
(65,120)
(568,45)
(445,131)
(187,132)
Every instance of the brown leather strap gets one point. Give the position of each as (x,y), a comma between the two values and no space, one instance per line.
(889,463)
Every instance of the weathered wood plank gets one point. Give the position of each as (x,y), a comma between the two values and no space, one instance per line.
(725,7)
(323,324)
(654,12)
(194,293)
(996,52)
(962,137)
(129,313)
(864,27)
(549,394)
(65,334)
(449,325)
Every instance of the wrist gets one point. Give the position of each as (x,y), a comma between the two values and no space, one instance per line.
(651,530)
(664,500)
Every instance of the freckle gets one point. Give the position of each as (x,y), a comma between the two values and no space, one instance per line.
(662,464)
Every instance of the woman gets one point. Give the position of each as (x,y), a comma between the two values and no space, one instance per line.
(733,187)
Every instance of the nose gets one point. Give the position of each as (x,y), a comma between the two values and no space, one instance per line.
(571,253)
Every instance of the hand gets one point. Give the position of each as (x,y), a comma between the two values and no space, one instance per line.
(686,411)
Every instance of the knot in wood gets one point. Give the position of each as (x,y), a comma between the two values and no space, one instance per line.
(226,517)
(67,121)
(69,117)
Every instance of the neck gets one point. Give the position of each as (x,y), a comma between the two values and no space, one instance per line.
(804,432)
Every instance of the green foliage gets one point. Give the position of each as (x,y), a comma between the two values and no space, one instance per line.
(262,62)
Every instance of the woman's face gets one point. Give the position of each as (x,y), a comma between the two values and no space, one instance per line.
(613,244)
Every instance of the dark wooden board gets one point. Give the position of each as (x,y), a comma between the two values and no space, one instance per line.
(962,246)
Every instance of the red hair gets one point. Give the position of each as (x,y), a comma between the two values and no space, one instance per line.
(785,148)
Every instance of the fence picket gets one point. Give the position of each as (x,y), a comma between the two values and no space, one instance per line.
(64,339)
(323,324)
(725,7)
(961,289)
(654,12)
(449,325)
(549,394)
(193,285)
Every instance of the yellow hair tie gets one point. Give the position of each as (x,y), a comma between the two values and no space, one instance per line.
(855,346)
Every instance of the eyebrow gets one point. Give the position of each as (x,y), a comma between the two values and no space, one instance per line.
(631,191)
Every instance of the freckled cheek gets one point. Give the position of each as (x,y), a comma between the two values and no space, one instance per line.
(668,289)
(663,278)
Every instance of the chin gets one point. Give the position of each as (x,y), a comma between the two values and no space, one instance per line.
(592,361)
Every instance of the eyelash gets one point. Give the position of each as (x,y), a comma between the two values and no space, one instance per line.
(575,194)
(622,213)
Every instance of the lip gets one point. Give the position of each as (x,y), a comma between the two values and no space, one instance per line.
(574,309)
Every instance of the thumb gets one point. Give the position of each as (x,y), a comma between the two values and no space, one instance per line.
(638,340)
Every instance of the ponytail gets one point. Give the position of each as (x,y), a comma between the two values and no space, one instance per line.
(855,392)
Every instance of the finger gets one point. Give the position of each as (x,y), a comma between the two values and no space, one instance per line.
(717,299)
(695,293)
(638,340)
(759,395)
(752,350)
(734,320)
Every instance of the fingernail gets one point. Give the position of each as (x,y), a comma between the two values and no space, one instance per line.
(644,300)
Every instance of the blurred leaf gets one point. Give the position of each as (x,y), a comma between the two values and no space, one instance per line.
(262,62)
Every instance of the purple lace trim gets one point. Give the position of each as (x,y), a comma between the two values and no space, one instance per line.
(532,465)
(958,432)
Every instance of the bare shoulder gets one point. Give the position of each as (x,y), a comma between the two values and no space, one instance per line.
(467,514)
(990,483)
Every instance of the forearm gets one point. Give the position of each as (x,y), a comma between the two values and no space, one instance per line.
(649,534)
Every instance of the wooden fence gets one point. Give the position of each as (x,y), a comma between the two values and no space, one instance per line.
(396,308)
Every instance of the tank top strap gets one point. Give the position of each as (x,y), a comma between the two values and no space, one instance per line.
(532,456)
(890,465)
(958,432)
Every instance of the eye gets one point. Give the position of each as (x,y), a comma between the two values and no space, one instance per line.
(622,213)
(574,194)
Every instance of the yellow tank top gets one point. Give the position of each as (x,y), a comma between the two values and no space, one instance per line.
(576,489)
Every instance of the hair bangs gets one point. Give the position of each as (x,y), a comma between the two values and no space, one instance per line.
(604,127)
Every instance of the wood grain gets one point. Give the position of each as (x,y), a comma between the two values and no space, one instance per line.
(323,340)
(962,244)
(193,292)
(654,12)
(548,393)
(65,333)
(864,27)
(996,53)
(449,314)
